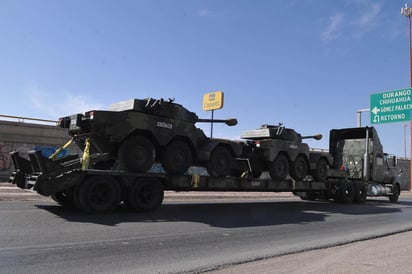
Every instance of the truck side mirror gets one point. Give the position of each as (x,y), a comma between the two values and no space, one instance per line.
(394,161)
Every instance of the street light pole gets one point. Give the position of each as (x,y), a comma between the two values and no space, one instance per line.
(359,116)
(407,11)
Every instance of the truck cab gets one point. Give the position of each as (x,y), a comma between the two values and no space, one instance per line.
(359,153)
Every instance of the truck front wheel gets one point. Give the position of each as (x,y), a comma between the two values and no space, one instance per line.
(395,193)
(136,154)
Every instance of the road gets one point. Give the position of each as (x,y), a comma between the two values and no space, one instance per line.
(183,236)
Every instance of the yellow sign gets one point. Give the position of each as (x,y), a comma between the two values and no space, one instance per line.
(213,100)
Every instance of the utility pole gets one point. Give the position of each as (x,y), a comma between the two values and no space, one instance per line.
(407,11)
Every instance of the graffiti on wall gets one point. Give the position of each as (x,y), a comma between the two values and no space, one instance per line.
(5,161)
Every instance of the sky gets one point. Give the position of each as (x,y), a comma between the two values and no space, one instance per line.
(309,64)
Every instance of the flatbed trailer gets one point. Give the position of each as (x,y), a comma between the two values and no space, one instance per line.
(69,183)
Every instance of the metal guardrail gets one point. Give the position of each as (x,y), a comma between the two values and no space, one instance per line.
(23,119)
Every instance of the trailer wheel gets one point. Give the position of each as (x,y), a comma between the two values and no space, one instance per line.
(395,193)
(299,168)
(136,154)
(75,191)
(63,199)
(177,157)
(279,168)
(321,171)
(307,196)
(361,192)
(346,193)
(145,196)
(99,194)
(219,163)
(257,174)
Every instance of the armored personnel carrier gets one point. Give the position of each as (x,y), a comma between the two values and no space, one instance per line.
(280,151)
(139,132)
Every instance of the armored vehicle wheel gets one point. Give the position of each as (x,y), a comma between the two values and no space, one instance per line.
(220,162)
(177,157)
(99,194)
(279,168)
(299,168)
(321,171)
(136,153)
(145,195)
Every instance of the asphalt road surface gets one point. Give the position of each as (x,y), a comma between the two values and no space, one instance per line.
(184,236)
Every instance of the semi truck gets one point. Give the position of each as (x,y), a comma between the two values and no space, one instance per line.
(354,168)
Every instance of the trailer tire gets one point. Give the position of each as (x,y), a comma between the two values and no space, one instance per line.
(220,162)
(361,192)
(99,194)
(299,168)
(137,154)
(321,171)
(145,196)
(176,158)
(307,195)
(346,193)
(76,200)
(257,174)
(63,199)
(279,168)
(396,191)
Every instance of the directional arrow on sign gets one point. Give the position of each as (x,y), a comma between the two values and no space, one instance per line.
(375,110)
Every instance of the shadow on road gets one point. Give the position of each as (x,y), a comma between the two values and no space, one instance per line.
(232,214)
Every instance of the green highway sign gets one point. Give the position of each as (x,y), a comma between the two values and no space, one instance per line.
(391,106)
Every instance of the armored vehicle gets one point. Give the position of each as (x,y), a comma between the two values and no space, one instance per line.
(139,132)
(280,151)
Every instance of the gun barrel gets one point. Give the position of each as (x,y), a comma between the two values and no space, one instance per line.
(316,137)
(229,122)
